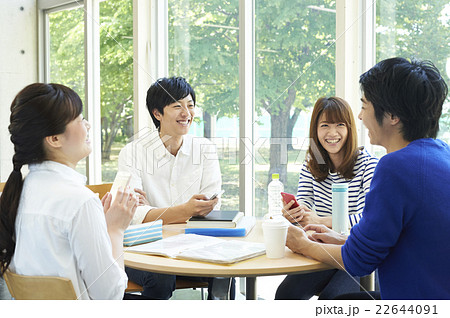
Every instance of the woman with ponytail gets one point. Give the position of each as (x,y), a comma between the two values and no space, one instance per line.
(50,223)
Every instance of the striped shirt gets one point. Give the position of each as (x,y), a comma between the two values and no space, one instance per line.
(317,195)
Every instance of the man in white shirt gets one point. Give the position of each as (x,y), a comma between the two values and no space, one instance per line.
(174,173)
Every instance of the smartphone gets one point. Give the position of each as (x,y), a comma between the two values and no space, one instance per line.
(215,195)
(122,180)
(287,197)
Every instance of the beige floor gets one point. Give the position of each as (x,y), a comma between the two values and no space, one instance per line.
(265,286)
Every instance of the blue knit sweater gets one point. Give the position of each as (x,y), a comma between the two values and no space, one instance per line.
(405,229)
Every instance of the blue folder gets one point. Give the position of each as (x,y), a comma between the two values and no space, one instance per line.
(243,227)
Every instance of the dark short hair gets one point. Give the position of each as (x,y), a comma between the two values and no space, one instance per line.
(414,91)
(166,91)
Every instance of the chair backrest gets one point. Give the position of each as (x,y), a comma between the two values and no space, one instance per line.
(101,189)
(39,287)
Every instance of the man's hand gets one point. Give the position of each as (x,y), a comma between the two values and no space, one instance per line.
(297,240)
(323,234)
(311,217)
(142,197)
(199,205)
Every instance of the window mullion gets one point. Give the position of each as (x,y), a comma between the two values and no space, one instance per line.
(92,87)
(368,55)
(246,105)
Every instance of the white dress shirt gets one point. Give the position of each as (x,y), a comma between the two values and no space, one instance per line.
(170,180)
(61,231)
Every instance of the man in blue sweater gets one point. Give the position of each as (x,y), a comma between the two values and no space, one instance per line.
(406,219)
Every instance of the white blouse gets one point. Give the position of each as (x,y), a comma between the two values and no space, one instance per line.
(61,231)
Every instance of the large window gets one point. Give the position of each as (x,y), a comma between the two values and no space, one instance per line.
(116,81)
(294,50)
(203,48)
(417,29)
(66,65)
(66,52)
(295,65)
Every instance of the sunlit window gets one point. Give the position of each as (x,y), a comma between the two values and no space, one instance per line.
(417,29)
(116,81)
(66,53)
(295,65)
(203,48)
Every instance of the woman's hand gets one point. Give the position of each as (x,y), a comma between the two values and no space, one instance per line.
(323,234)
(303,215)
(106,201)
(294,215)
(120,213)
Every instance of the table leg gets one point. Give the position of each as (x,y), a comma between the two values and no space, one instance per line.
(250,288)
(221,288)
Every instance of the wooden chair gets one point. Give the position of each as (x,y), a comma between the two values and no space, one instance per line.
(180,284)
(39,287)
(101,189)
(132,287)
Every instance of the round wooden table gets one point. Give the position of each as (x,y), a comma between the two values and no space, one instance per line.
(259,266)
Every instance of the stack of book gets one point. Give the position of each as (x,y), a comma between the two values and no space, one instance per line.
(220,223)
(216,219)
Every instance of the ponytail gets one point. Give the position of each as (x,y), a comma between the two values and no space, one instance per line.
(9,203)
(38,111)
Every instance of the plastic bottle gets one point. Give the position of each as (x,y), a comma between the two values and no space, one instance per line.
(274,190)
(340,207)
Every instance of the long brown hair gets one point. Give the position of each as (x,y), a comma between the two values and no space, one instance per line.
(319,162)
(39,110)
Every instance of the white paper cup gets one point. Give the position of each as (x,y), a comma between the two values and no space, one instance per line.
(275,232)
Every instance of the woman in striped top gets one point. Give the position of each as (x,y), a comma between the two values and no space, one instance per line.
(316,195)
(333,157)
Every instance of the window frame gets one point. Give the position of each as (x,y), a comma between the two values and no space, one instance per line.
(92,69)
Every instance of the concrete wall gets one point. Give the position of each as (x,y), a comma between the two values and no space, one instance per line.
(18,64)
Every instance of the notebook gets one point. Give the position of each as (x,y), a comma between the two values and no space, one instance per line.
(143,233)
(215,219)
(202,248)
